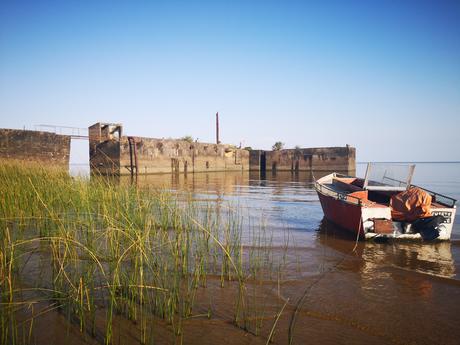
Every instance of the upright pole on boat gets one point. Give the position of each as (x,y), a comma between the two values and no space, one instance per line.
(366,178)
(409,177)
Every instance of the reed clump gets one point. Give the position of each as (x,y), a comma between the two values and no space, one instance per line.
(94,251)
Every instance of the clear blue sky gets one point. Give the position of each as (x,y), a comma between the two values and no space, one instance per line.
(383,76)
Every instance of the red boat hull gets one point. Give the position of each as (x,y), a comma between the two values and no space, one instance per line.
(344,214)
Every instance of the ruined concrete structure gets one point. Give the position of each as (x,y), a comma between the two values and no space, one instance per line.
(113,153)
(308,159)
(35,146)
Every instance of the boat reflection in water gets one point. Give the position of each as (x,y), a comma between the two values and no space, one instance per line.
(426,258)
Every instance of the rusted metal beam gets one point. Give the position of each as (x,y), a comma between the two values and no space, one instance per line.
(217,128)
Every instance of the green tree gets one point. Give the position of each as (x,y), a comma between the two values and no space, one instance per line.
(278,146)
(187,138)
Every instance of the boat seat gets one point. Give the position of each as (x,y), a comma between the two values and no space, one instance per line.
(353,192)
(346,187)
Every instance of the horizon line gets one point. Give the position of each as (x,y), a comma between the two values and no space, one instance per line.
(361,162)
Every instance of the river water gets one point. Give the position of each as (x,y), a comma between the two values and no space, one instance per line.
(379,293)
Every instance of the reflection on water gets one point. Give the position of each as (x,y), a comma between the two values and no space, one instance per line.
(426,258)
(288,201)
(280,201)
(380,293)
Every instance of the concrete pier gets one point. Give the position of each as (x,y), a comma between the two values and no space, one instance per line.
(304,159)
(112,153)
(35,146)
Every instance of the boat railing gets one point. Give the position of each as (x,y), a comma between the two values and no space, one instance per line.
(439,198)
(337,195)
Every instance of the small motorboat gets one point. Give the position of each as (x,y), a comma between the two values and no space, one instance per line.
(384,204)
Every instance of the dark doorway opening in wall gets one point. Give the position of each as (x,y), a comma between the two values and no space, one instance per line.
(263,162)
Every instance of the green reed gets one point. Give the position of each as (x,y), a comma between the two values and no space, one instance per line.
(95,250)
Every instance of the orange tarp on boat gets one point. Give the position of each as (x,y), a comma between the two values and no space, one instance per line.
(410,205)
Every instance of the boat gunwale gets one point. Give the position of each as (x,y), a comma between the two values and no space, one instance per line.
(343,196)
(338,195)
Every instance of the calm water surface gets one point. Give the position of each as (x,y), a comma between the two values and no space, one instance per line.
(381,293)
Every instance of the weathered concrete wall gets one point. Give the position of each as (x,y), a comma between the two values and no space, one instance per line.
(111,153)
(104,148)
(306,159)
(105,158)
(179,156)
(35,146)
